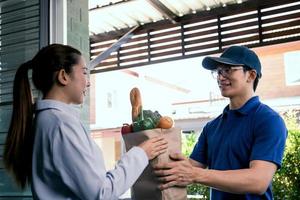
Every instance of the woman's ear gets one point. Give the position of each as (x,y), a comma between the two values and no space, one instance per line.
(63,77)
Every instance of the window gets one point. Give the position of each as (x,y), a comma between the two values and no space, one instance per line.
(292,69)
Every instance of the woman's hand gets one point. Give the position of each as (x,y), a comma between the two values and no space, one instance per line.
(178,172)
(154,147)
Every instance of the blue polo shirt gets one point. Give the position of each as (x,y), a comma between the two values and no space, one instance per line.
(236,137)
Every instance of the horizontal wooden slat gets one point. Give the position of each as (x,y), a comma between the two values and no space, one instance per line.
(281,18)
(201,26)
(159,26)
(134,46)
(281,33)
(107,64)
(137,52)
(238,19)
(243,40)
(132,40)
(202,40)
(280,10)
(165,33)
(101,46)
(166,53)
(200,34)
(239,33)
(200,47)
(281,26)
(109,57)
(166,46)
(240,26)
(166,40)
(133,59)
(137,39)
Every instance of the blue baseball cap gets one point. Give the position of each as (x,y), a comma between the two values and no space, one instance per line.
(234,55)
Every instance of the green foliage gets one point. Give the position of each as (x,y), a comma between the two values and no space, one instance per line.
(188,143)
(286,182)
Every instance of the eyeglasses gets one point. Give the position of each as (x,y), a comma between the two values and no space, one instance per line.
(226,72)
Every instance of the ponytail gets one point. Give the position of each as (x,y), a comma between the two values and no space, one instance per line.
(19,141)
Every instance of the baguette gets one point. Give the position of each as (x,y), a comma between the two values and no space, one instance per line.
(136,103)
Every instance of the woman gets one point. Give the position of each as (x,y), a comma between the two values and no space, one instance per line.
(57,155)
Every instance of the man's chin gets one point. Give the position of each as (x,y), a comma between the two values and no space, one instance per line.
(225,94)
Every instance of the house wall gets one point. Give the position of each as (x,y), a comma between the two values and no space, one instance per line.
(272,83)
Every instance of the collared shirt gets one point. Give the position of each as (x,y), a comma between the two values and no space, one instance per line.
(236,137)
(67,164)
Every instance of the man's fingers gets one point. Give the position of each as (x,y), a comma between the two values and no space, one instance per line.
(169,178)
(167,185)
(165,166)
(164,172)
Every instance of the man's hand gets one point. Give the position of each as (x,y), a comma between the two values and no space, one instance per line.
(178,172)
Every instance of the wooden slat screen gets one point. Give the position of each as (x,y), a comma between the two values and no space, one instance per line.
(271,23)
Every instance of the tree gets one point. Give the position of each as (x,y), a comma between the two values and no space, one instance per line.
(286,182)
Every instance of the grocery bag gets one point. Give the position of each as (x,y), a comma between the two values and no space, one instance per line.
(146,187)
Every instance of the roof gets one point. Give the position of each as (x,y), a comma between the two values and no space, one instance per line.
(113,15)
(133,33)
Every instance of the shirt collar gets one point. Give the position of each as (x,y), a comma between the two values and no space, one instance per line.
(245,109)
(58,105)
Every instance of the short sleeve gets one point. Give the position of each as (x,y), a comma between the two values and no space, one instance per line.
(269,139)
(199,152)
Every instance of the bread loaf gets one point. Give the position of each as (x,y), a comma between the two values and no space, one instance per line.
(136,103)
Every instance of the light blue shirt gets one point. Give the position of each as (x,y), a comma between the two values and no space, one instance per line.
(67,164)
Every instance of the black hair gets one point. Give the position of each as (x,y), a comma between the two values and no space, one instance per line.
(20,137)
(255,83)
(50,60)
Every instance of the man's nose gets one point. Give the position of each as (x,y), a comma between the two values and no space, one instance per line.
(88,83)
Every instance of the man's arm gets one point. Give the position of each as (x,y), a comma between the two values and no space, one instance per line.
(255,179)
(197,164)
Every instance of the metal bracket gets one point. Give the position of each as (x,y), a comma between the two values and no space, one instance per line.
(112,48)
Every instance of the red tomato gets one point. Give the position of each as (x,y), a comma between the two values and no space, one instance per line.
(126,128)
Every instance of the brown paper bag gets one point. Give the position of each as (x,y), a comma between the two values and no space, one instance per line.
(146,187)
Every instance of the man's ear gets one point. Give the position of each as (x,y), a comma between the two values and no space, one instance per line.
(63,77)
(252,75)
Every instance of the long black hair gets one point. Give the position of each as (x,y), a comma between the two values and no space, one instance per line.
(20,137)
